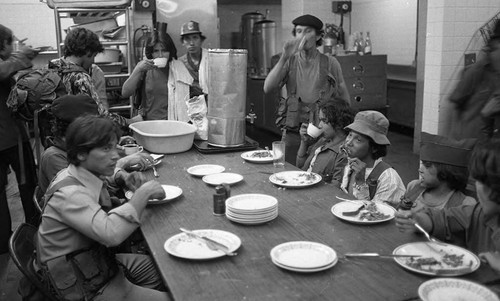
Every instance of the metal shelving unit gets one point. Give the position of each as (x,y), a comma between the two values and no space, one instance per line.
(84,15)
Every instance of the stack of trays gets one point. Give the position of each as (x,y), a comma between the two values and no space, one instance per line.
(251,209)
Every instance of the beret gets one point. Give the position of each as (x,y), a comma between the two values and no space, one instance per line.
(68,107)
(308,20)
(444,150)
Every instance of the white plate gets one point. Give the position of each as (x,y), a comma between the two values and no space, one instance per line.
(295,179)
(470,261)
(252,221)
(251,156)
(303,255)
(220,178)
(251,202)
(205,169)
(448,289)
(338,208)
(171,192)
(184,246)
(326,267)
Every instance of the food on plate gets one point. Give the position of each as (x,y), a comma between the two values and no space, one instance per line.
(262,154)
(297,179)
(371,213)
(431,263)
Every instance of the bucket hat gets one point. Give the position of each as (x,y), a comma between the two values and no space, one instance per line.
(444,150)
(190,27)
(372,124)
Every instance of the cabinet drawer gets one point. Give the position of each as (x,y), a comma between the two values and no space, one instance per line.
(368,65)
(367,92)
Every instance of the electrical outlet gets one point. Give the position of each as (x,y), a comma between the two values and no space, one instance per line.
(469,59)
(341,7)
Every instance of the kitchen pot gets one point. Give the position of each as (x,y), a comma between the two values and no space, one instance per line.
(109,55)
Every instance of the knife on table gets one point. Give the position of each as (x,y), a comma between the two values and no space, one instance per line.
(211,244)
(379,255)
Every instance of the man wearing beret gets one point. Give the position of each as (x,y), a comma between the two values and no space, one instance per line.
(311,79)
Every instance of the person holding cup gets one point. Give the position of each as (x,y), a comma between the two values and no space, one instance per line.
(160,82)
(319,149)
(311,79)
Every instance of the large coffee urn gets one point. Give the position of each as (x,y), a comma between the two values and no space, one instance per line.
(247,25)
(227,88)
(264,35)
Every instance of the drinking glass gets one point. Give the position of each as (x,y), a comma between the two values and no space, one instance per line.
(279,154)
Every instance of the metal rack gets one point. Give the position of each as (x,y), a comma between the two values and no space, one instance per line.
(113,81)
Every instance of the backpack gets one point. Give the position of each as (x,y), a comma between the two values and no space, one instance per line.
(35,89)
(33,92)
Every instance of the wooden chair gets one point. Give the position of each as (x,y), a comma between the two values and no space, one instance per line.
(21,248)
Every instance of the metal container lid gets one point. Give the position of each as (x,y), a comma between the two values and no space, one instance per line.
(235,51)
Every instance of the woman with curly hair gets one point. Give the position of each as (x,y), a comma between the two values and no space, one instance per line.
(162,90)
(323,155)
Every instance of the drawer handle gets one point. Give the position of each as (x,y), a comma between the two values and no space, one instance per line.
(359,85)
(359,69)
(358,98)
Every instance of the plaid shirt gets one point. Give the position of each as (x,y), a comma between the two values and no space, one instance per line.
(81,83)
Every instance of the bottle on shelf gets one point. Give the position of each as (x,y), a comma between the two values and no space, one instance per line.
(368,44)
(360,44)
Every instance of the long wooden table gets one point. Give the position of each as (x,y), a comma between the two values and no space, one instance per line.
(304,215)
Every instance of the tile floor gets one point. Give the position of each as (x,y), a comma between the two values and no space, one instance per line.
(400,157)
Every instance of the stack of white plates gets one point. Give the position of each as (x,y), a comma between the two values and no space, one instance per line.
(251,209)
(304,256)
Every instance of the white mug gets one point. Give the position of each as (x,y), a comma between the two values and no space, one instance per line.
(130,149)
(313,131)
(160,62)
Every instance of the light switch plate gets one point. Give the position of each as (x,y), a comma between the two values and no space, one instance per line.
(469,59)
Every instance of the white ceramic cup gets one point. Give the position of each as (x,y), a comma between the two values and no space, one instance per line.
(130,149)
(313,131)
(160,62)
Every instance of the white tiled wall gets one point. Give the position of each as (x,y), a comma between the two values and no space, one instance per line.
(452,30)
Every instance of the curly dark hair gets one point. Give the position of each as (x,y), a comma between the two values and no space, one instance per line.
(378,150)
(338,113)
(165,41)
(80,42)
(454,176)
(88,132)
(5,35)
(484,166)
(318,33)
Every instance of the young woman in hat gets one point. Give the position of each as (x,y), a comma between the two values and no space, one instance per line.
(442,174)
(161,89)
(476,226)
(311,78)
(323,155)
(366,176)
(195,58)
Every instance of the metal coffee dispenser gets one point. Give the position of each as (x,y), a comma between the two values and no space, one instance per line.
(227,87)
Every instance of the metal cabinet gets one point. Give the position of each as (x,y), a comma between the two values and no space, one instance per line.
(114,79)
(366,80)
